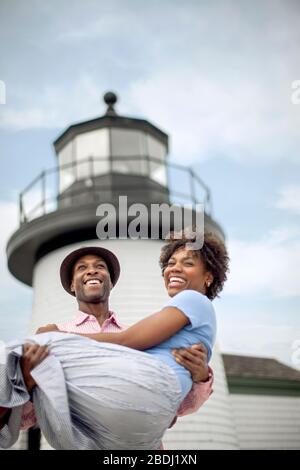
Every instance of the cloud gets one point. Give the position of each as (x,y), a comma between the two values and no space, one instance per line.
(216,88)
(203,116)
(268,267)
(289,199)
(260,339)
(53,106)
(208,114)
(104,26)
(14,297)
(9,222)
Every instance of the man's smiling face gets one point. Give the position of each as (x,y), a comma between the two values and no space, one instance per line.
(91,279)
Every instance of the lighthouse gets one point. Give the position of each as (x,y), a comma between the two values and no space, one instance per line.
(98,162)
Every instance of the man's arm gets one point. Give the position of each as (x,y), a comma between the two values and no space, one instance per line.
(199,393)
(33,354)
(194,359)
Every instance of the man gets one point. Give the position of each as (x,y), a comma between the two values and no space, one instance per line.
(89,274)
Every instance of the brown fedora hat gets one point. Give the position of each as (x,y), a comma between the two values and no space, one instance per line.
(69,261)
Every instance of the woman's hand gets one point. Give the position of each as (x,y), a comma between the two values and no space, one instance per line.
(194,359)
(33,354)
(45,329)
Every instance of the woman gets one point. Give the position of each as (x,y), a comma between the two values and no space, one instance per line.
(113,396)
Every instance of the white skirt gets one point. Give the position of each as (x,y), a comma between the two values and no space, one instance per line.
(91,395)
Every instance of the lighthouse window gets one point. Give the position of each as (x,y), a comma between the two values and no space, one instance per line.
(158,173)
(92,151)
(155,148)
(157,154)
(128,151)
(67,169)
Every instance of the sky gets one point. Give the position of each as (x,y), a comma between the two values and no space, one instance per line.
(219,78)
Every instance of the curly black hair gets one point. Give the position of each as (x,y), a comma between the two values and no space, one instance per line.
(213,254)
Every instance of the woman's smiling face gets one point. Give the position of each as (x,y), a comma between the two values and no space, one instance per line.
(185,270)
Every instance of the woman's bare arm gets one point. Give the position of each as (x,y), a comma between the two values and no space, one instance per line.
(147,332)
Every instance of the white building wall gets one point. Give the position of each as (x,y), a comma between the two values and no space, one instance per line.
(267,422)
(139,292)
(212,426)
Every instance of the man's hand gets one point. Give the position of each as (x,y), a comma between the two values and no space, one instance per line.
(45,329)
(194,359)
(33,354)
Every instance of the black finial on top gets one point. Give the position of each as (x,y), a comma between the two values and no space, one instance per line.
(110,99)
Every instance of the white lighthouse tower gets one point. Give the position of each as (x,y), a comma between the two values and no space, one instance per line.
(98,161)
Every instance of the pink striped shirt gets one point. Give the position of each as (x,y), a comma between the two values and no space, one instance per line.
(85,323)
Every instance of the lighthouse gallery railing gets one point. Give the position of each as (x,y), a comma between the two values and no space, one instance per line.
(40,197)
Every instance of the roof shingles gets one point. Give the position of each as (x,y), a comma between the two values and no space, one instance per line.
(258,367)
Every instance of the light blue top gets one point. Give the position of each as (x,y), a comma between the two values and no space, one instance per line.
(200,329)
